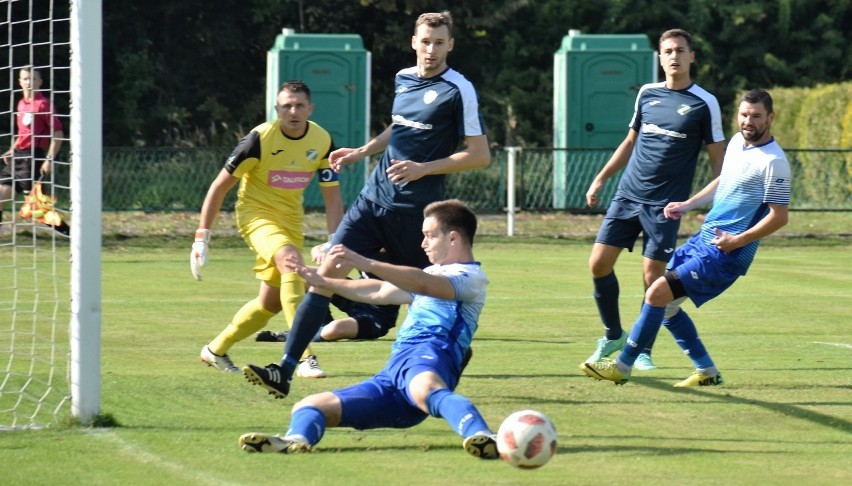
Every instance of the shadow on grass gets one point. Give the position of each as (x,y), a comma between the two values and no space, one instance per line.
(658,451)
(727,396)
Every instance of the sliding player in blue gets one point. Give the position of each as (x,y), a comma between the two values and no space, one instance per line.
(444,303)
(436,130)
(750,201)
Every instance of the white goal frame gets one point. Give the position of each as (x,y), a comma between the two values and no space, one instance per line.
(86,190)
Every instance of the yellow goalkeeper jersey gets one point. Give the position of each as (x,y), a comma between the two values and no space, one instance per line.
(275,170)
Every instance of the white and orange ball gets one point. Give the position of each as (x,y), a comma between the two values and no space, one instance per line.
(526,439)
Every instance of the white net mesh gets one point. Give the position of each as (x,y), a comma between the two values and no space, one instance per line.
(34,257)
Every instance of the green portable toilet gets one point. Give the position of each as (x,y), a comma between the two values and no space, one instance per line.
(595,81)
(337,69)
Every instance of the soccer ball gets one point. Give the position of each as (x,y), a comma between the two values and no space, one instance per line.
(526,439)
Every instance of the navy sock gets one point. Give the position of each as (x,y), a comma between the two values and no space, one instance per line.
(648,346)
(606,297)
(318,336)
(309,317)
(644,330)
(308,422)
(686,336)
(458,411)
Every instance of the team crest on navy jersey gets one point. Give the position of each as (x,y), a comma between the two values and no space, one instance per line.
(430,96)
(683,109)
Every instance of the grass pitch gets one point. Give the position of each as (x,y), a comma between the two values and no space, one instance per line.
(781,336)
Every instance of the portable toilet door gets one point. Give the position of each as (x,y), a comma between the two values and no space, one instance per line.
(336,67)
(596,80)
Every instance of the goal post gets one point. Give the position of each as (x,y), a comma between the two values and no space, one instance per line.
(86,190)
(50,285)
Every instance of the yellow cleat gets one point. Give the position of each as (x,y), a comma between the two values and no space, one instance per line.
(699,379)
(605,369)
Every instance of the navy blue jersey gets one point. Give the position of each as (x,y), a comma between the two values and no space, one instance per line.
(673,125)
(431,117)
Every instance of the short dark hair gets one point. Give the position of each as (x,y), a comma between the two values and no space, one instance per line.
(296,86)
(756,96)
(30,69)
(676,33)
(453,215)
(435,19)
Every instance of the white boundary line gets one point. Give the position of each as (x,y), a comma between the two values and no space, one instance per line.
(146,457)
(839,345)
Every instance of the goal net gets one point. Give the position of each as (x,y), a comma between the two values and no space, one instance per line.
(41,342)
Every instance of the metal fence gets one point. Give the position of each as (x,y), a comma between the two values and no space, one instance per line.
(546,179)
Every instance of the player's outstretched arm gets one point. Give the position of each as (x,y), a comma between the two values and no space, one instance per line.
(616,162)
(345,156)
(409,279)
(223,183)
(369,290)
(774,220)
(674,210)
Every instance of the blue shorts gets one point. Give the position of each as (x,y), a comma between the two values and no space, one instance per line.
(625,219)
(704,270)
(383,234)
(383,401)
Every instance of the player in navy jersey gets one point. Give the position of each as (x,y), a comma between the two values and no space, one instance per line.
(750,201)
(444,303)
(671,122)
(436,129)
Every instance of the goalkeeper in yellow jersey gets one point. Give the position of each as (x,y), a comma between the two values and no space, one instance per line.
(273,165)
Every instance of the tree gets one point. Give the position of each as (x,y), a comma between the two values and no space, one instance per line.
(193,72)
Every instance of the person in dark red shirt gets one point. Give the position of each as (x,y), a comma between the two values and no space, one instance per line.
(37,142)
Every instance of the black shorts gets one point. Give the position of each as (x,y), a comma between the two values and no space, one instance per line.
(20,171)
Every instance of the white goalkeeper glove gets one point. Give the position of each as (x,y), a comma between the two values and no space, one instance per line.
(319,251)
(198,257)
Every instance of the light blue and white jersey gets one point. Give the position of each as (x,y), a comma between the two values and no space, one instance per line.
(431,117)
(751,179)
(673,125)
(449,323)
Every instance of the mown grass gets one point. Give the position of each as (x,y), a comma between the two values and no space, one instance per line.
(781,336)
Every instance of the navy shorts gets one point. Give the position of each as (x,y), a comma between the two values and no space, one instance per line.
(374,321)
(383,234)
(704,270)
(626,219)
(383,401)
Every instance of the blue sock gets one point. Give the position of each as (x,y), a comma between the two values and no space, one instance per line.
(606,297)
(686,336)
(644,331)
(308,422)
(310,315)
(457,410)
(650,345)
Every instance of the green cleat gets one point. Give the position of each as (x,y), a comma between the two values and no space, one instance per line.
(605,369)
(699,379)
(644,363)
(606,347)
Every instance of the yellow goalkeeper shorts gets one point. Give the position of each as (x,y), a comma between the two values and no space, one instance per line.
(265,239)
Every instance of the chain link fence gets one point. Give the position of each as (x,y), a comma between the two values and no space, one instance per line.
(546,179)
